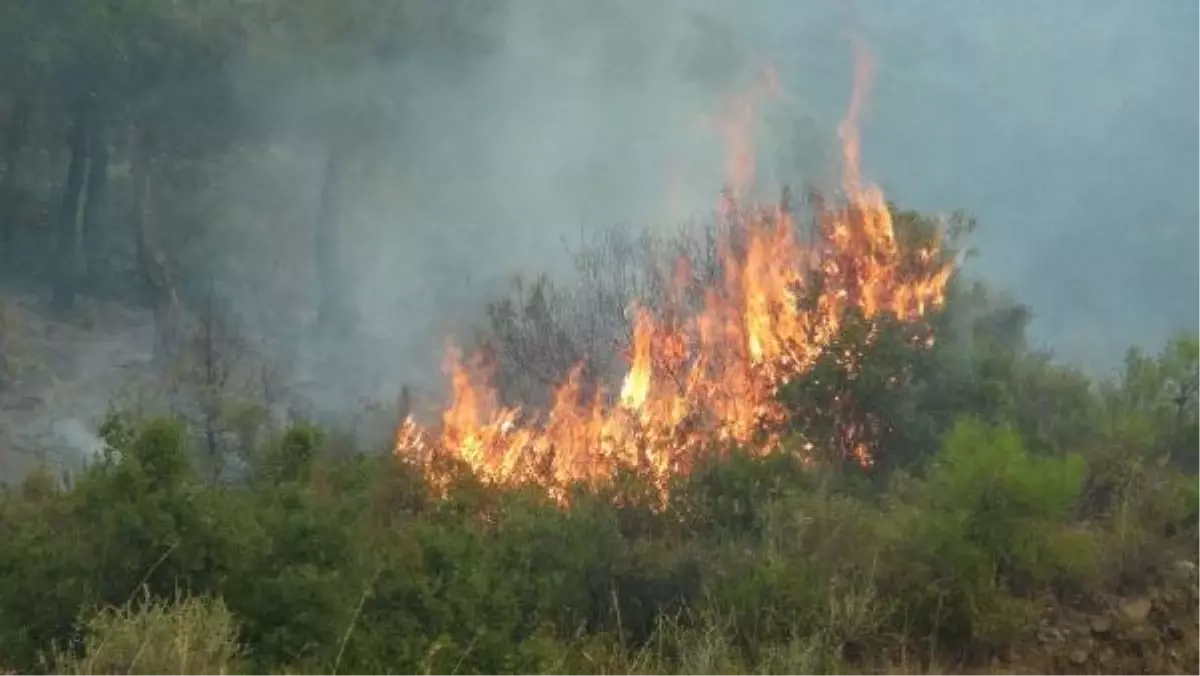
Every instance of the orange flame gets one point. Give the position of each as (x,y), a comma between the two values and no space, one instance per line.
(712,377)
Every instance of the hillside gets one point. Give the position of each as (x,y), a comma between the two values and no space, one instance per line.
(266,408)
(992,511)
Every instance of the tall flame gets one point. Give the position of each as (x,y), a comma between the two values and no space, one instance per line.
(712,376)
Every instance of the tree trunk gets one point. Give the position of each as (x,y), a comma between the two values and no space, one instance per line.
(157,281)
(140,173)
(330,315)
(14,138)
(67,277)
(213,376)
(97,183)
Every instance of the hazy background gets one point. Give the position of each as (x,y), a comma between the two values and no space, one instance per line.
(1068,128)
(488,139)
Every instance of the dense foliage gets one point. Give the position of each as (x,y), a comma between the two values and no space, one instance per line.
(326,558)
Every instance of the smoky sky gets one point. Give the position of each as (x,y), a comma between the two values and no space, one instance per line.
(1070,130)
(1067,128)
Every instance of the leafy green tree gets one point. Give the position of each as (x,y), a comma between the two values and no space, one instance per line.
(1159,396)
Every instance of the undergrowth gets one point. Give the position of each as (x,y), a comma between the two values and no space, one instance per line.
(331,561)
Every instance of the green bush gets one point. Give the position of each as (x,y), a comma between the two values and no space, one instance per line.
(726,494)
(1148,514)
(990,524)
(330,560)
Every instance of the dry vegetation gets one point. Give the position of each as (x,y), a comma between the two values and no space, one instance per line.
(184,635)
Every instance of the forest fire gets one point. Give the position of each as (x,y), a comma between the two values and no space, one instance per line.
(708,372)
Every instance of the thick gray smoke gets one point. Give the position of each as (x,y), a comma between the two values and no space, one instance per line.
(1070,129)
(1067,128)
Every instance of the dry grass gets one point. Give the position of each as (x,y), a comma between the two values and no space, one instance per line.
(703,644)
(190,635)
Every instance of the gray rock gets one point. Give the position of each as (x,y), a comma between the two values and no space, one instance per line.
(1183,571)
(1050,635)
(1078,656)
(1101,624)
(1142,634)
(1136,610)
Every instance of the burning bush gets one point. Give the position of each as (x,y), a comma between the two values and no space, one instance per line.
(775,303)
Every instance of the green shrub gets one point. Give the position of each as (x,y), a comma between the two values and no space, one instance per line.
(1150,515)
(755,565)
(805,594)
(1008,503)
(726,494)
(291,457)
(990,524)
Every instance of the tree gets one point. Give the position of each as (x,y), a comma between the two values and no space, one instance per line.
(1158,395)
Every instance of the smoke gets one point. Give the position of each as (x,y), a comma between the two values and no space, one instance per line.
(580,118)
(76,435)
(1067,128)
